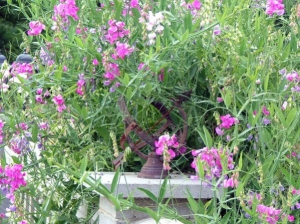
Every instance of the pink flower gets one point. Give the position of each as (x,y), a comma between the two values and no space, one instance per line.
(265,111)
(61,108)
(65,68)
(39,91)
(116,31)
(36,28)
(39,99)
(231,182)
(95,61)
(219,131)
(134,3)
(58,100)
(217,30)
(220,99)
(23,222)
(284,105)
(197,4)
(123,50)
(43,126)
(141,66)
(275,7)
(66,8)
(227,121)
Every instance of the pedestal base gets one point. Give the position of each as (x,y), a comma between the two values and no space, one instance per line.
(178,186)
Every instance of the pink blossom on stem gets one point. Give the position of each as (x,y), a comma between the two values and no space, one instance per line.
(134,3)
(197,4)
(36,28)
(43,125)
(275,7)
(95,61)
(123,50)
(227,121)
(60,103)
(265,111)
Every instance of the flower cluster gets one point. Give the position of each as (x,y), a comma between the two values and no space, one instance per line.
(11,179)
(36,28)
(122,50)
(212,165)
(167,146)
(60,103)
(154,25)
(275,7)
(226,122)
(22,69)
(19,143)
(80,84)
(65,9)
(271,214)
(116,31)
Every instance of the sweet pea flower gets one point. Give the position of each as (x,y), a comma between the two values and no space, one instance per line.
(275,7)
(134,3)
(227,121)
(197,4)
(95,61)
(60,103)
(36,28)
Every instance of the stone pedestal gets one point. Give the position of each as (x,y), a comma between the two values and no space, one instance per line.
(178,186)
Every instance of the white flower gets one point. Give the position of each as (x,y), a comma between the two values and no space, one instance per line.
(151,42)
(149,27)
(151,36)
(159,29)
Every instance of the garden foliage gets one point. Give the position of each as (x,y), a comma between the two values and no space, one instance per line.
(237,58)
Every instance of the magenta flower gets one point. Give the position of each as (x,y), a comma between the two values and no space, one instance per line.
(123,50)
(134,3)
(227,121)
(231,182)
(43,126)
(36,28)
(116,31)
(39,91)
(95,61)
(65,9)
(58,100)
(60,103)
(197,4)
(219,131)
(141,66)
(275,7)
(265,111)
(217,30)
(220,99)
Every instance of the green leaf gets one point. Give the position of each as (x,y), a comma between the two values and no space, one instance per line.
(152,214)
(34,132)
(118,10)
(241,161)
(200,168)
(162,191)
(207,137)
(115,181)
(3,161)
(291,116)
(83,164)
(16,159)
(266,82)
(149,194)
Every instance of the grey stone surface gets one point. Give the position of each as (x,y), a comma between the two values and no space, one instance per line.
(162,221)
(178,185)
(128,185)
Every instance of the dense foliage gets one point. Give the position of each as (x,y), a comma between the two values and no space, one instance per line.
(227,70)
